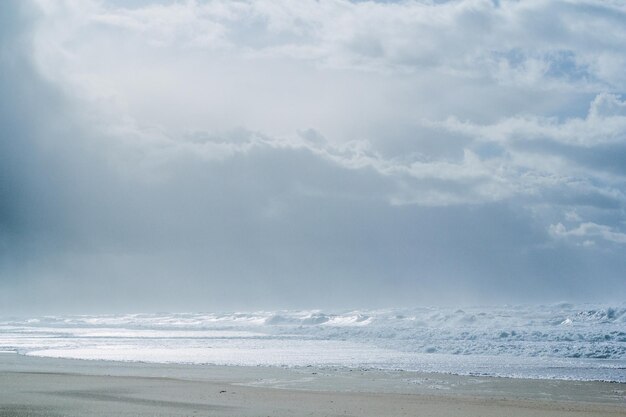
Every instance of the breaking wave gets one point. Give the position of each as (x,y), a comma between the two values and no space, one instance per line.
(553,341)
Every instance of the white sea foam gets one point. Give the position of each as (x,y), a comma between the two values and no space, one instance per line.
(556,341)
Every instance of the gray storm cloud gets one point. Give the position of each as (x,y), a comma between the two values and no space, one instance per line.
(229,155)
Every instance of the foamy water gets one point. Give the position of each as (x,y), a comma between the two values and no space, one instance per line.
(558,341)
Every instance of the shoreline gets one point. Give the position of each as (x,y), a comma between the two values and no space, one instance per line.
(33,386)
(340,368)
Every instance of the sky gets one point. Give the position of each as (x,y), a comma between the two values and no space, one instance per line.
(237,155)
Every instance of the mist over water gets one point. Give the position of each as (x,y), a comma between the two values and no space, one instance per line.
(564,341)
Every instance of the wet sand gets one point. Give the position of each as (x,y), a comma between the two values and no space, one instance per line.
(61,387)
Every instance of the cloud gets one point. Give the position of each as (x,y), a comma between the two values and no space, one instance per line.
(587,230)
(537,155)
(201,155)
(355,59)
(543,42)
(605,124)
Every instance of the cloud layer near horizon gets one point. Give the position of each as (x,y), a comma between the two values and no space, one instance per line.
(222,155)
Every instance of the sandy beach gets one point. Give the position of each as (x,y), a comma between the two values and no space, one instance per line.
(32,386)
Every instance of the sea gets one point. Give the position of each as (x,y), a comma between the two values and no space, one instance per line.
(558,341)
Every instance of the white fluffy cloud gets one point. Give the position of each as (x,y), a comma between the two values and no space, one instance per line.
(587,232)
(604,124)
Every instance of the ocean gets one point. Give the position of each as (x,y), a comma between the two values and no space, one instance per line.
(559,341)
